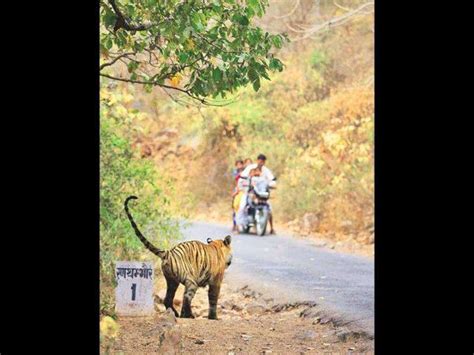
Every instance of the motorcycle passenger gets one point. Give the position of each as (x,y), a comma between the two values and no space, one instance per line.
(244,175)
(239,166)
(247,162)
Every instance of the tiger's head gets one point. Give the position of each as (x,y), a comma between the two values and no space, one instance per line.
(224,246)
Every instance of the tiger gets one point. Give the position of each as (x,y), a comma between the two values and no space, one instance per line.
(192,264)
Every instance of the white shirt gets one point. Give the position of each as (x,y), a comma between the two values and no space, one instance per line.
(266,173)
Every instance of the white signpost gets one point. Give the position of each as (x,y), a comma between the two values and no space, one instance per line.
(134,292)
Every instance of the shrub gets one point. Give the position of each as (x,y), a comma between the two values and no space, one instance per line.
(123,173)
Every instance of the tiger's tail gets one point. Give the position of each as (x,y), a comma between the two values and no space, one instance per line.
(139,234)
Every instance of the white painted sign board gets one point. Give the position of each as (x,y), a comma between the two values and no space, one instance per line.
(134,292)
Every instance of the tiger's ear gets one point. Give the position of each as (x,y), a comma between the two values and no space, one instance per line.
(209,240)
(227,240)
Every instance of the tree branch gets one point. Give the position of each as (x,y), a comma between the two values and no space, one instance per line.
(341,7)
(336,21)
(115,60)
(123,22)
(289,13)
(154,83)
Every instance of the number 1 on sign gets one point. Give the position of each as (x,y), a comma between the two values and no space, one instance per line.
(134,289)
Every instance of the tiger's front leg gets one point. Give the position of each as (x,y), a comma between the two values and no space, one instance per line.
(189,292)
(213,295)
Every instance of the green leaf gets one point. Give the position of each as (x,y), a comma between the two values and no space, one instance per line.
(256,6)
(277,42)
(196,22)
(275,64)
(183,56)
(250,11)
(130,10)
(109,19)
(217,74)
(263,73)
(108,43)
(132,66)
(252,75)
(148,88)
(243,20)
(186,33)
(256,84)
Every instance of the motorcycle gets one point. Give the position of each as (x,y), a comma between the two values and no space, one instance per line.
(258,209)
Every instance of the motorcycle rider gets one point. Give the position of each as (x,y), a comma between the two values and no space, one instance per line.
(264,173)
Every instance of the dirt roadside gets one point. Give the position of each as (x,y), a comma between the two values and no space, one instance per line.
(248,324)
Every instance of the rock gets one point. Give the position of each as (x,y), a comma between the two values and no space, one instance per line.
(160,296)
(309,222)
(311,312)
(170,342)
(279,307)
(290,305)
(346,225)
(167,132)
(293,225)
(372,238)
(227,305)
(320,243)
(344,335)
(371,228)
(168,319)
(237,308)
(157,299)
(250,294)
(160,308)
(306,335)
(256,308)
(320,316)
(246,337)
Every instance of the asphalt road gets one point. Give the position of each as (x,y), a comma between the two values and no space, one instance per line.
(292,269)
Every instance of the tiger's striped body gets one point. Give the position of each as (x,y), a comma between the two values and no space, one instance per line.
(193,264)
(194,260)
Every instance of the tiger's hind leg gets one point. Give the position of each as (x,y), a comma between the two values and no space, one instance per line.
(189,292)
(213,294)
(171,287)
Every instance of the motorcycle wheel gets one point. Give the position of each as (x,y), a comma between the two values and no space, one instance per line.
(243,229)
(261,219)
